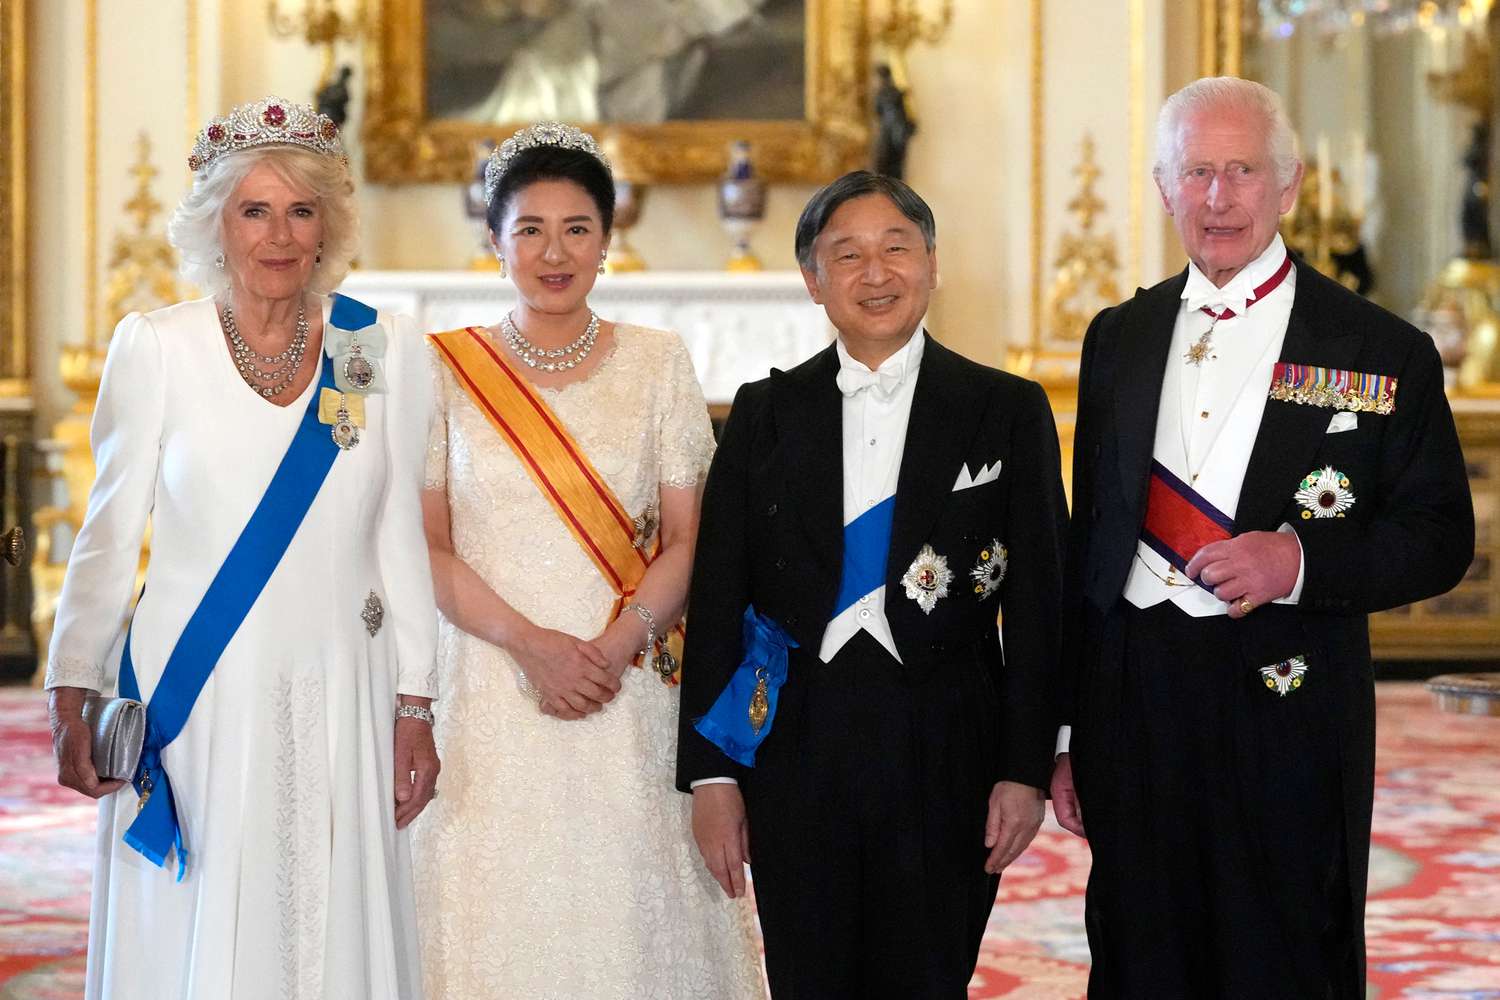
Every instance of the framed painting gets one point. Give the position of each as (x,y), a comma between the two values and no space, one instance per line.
(665,84)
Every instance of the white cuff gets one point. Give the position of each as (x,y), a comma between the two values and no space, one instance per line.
(1064,738)
(712,781)
(1296,594)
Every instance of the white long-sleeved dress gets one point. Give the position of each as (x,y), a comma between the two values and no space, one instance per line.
(298,883)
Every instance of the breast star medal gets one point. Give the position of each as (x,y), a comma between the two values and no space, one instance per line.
(1286,676)
(989,572)
(1324,493)
(373,614)
(760,702)
(927,579)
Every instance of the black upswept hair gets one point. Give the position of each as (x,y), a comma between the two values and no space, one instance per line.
(857,184)
(554,163)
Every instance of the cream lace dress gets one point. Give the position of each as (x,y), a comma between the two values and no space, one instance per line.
(558,861)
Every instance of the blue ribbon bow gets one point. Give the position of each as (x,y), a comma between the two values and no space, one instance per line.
(727,724)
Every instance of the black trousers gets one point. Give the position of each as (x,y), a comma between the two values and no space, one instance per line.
(1216,820)
(866,809)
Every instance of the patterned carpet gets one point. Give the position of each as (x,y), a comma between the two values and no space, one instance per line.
(1433,918)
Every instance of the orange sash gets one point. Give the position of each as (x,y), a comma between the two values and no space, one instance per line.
(554,461)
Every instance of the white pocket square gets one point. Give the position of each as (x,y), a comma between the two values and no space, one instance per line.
(986,474)
(1343,421)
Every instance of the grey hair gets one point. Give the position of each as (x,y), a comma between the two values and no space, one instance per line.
(1217,92)
(197,225)
(826,200)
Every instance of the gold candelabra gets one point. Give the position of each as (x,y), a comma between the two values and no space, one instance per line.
(904,25)
(1322,226)
(320,23)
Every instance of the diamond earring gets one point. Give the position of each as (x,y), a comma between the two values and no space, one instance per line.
(501,260)
(318,257)
(602,257)
(219,260)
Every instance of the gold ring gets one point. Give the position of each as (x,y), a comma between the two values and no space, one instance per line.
(1245,606)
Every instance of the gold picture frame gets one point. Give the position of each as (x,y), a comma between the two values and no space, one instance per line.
(14,356)
(403,145)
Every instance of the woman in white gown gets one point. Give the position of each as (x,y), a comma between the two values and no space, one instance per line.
(290,879)
(565,451)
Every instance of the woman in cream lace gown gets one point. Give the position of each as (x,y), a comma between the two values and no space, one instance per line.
(558,861)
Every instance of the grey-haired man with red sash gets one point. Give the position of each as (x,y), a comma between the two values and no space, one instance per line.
(1262,459)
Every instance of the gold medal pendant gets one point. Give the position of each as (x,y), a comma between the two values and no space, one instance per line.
(760,702)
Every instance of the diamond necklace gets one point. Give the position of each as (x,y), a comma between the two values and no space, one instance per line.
(556,359)
(281,368)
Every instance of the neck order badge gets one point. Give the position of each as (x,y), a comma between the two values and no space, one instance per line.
(1198,353)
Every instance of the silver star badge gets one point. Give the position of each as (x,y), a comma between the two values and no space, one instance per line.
(927,579)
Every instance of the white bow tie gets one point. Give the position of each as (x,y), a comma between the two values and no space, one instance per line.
(1232,296)
(885,383)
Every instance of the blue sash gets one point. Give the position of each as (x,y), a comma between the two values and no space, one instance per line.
(234,590)
(867,550)
(727,724)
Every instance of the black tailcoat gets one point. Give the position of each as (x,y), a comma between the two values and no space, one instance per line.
(1409,535)
(956,715)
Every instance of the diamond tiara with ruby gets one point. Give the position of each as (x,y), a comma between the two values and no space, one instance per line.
(267,122)
(540,134)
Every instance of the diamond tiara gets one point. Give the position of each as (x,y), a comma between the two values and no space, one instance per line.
(270,121)
(540,134)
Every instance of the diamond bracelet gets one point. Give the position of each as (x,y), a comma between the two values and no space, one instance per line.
(416,712)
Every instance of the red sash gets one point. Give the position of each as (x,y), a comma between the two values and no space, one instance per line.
(1179,521)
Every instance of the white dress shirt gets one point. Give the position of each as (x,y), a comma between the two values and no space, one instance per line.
(1209,414)
(877,406)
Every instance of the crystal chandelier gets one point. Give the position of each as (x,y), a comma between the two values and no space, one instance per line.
(1284,18)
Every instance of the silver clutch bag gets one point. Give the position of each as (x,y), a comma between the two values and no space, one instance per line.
(118,728)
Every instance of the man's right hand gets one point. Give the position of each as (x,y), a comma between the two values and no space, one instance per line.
(1065,797)
(723,834)
(573,676)
(72,744)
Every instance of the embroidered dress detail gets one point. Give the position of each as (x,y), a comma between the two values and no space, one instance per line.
(1333,388)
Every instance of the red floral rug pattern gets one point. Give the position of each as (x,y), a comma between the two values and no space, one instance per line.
(1433,920)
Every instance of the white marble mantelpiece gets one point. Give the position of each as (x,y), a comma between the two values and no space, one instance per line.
(736,326)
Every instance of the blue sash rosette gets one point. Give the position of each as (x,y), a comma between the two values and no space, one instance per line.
(730,724)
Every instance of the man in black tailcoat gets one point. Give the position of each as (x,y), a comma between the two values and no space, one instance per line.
(867,515)
(1262,460)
